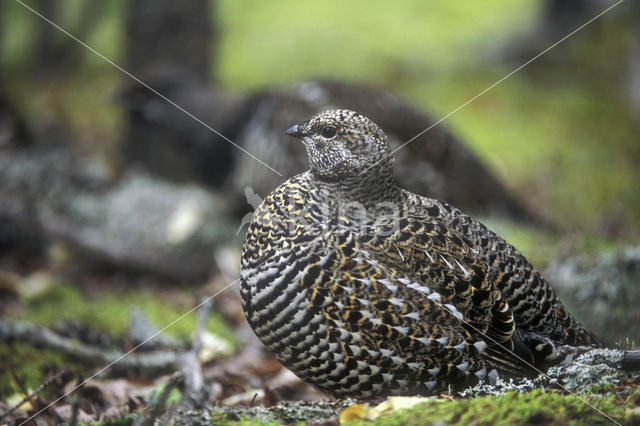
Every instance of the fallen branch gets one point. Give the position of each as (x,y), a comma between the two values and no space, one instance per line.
(191,367)
(149,364)
(139,223)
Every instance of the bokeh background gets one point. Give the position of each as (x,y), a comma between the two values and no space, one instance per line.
(561,135)
(562,132)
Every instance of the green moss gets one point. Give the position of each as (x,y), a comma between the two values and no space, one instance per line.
(222,419)
(254,422)
(538,407)
(109,311)
(601,388)
(28,365)
(173,398)
(633,400)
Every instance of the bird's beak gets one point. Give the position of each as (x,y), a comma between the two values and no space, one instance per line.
(294,131)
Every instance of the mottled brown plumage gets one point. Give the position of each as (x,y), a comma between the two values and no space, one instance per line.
(365,289)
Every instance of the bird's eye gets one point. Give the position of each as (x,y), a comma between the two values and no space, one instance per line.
(328,132)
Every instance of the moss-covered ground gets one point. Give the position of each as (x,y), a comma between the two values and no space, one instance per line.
(67,306)
(603,405)
(536,407)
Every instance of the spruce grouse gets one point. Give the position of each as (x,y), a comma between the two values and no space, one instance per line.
(364,289)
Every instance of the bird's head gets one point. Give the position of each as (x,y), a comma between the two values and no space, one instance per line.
(342,143)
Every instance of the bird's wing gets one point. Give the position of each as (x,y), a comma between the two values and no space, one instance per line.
(432,255)
(445,261)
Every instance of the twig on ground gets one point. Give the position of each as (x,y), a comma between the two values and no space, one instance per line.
(190,365)
(75,405)
(159,406)
(34,393)
(148,364)
(142,330)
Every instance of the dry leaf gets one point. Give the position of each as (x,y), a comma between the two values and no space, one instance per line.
(390,405)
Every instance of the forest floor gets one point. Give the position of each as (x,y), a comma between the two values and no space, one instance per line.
(70,326)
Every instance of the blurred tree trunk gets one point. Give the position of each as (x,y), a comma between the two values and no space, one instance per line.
(169,33)
(634,64)
(3,29)
(55,52)
(169,48)
(50,53)
(563,16)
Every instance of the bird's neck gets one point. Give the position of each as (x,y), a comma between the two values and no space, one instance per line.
(368,189)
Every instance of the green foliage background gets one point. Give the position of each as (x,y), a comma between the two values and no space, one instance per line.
(558,132)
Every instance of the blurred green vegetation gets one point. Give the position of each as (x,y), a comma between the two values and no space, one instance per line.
(106,310)
(267,43)
(555,132)
(557,136)
(28,367)
(109,310)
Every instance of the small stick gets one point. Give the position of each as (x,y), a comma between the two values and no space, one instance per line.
(162,400)
(75,406)
(33,393)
